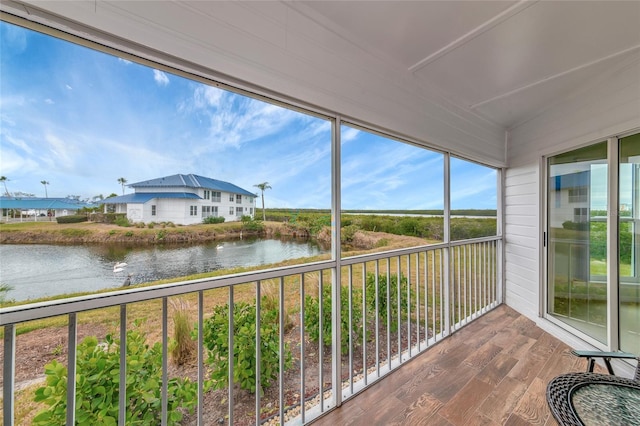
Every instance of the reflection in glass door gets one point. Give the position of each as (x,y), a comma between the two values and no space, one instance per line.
(629,249)
(577,239)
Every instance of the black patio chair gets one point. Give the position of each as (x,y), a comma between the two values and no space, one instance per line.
(607,357)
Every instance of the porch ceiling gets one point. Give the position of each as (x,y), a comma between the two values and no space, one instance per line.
(452,74)
(503,60)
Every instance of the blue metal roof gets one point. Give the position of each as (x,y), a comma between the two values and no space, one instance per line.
(192,181)
(143,197)
(33,203)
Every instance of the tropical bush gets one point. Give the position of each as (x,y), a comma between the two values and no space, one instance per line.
(97,385)
(74,218)
(312,316)
(209,220)
(251,224)
(398,305)
(216,342)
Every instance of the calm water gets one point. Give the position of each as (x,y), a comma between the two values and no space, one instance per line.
(47,270)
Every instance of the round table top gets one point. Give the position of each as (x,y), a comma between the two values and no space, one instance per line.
(585,399)
(606,403)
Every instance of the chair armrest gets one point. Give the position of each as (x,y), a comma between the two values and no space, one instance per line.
(606,356)
(598,354)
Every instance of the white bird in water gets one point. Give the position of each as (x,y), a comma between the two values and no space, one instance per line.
(119,267)
(219,247)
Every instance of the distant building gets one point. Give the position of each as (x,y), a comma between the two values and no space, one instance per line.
(183,200)
(39,207)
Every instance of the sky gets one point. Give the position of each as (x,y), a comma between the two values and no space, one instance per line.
(81,119)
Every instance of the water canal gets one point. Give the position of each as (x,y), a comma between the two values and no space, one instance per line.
(38,270)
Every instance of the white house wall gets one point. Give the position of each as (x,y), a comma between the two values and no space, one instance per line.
(609,108)
(278,46)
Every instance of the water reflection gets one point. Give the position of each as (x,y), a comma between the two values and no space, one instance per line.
(46,270)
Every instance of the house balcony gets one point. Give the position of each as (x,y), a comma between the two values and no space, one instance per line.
(395,307)
(438,334)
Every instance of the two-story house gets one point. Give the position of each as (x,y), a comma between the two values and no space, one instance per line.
(184,200)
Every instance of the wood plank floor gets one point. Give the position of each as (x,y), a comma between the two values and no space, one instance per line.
(492,372)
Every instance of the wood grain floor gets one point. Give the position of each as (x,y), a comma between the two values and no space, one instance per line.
(492,372)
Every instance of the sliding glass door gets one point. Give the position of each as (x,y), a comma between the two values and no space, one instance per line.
(593,225)
(576,233)
(629,248)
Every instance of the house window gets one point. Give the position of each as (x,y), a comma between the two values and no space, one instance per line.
(238,211)
(207,194)
(153,210)
(209,211)
(216,196)
(251,210)
(578,195)
(581,215)
(194,211)
(238,199)
(230,211)
(231,197)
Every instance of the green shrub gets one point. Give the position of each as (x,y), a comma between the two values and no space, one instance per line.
(250,224)
(395,304)
(161,234)
(128,234)
(312,316)
(97,385)
(74,218)
(212,220)
(122,221)
(216,341)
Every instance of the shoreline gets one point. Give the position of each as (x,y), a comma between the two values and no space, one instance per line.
(101,233)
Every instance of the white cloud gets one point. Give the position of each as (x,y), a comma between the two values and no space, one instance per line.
(348,134)
(68,87)
(124,61)
(160,77)
(49,101)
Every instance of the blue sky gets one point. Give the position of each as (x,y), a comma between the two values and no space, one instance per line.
(81,119)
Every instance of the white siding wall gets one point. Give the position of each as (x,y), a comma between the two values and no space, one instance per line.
(611,107)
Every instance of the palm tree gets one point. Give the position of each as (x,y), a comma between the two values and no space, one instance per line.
(263,186)
(122,181)
(45,183)
(4,180)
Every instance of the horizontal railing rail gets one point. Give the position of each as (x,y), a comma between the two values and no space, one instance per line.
(279,335)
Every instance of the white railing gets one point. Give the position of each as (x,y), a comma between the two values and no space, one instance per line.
(394,305)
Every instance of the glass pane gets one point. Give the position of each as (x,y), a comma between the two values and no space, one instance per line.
(155,161)
(392,193)
(474,197)
(629,222)
(577,230)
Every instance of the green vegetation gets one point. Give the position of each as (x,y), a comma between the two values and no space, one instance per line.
(211,220)
(216,342)
(4,289)
(397,306)
(97,385)
(251,224)
(77,218)
(183,347)
(312,316)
